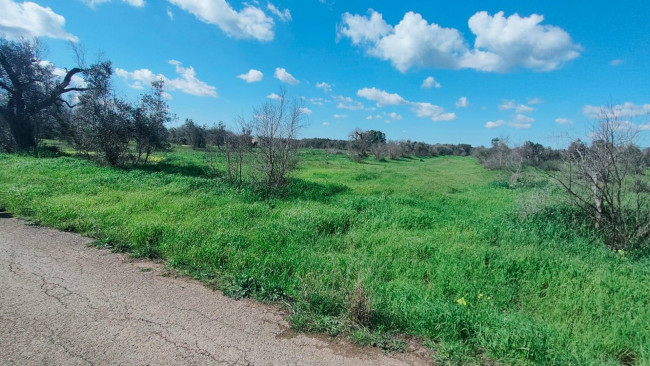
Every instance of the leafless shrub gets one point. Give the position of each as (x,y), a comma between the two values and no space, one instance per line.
(605,179)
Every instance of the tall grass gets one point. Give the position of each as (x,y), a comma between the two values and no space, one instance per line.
(433,248)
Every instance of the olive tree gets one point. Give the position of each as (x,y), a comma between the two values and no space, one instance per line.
(29,86)
(149,119)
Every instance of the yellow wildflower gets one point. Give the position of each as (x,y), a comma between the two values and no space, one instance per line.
(462,301)
(480,296)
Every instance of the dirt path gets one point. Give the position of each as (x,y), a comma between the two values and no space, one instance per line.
(62,303)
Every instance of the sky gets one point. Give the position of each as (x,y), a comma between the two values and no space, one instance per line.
(432,71)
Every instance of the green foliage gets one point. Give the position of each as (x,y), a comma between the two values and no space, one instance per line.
(432,248)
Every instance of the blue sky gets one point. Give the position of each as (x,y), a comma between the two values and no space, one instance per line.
(431,71)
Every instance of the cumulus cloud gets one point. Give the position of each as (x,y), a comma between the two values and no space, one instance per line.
(337,116)
(170,13)
(563,121)
(429,83)
(626,110)
(325,123)
(495,124)
(347,103)
(369,118)
(29,20)
(395,116)
(501,43)
(535,101)
(363,29)
(186,81)
(519,121)
(282,75)
(462,102)
(274,96)
(249,23)
(136,3)
(251,76)
(317,101)
(512,104)
(382,98)
(283,15)
(428,110)
(306,111)
(324,86)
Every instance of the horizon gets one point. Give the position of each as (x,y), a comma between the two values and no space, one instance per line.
(420,72)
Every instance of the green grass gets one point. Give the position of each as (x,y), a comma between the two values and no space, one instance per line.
(410,238)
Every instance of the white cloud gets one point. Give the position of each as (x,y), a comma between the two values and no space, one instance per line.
(186,82)
(519,108)
(522,121)
(501,44)
(627,109)
(644,127)
(274,96)
(251,76)
(136,3)
(428,110)
(381,97)
(616,62)
(519,121)
(340,116)
(283,15)
(495,124)
(306,111)
(29,20)
(170,14)
(535,101)
(324,86)
(348,103)
(429,83)
(249,23)
(395,116)
(361,29)
(462,102)
(369,117)
(317,101)
(326,123)
(282,75)
(563,121)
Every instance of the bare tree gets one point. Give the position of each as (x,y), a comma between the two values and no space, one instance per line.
(605,179)
(276,125)
(237,148)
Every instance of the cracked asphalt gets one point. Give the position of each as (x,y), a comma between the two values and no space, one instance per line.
(63,303)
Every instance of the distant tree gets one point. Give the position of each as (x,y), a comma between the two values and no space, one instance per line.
(29,87)
(149,119)
(196,135)
(605,180)
(276,125)
(361,141)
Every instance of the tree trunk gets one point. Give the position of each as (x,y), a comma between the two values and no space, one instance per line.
(23,132)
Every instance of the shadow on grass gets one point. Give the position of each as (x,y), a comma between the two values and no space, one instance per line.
(168,167)
(300,189)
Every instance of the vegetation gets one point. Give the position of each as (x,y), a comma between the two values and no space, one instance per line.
(439,248)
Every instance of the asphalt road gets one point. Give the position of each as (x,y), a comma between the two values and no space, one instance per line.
(63,303)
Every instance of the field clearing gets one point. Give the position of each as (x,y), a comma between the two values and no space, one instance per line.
(436,247)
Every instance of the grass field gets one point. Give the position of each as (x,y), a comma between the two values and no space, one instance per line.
(438,248)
